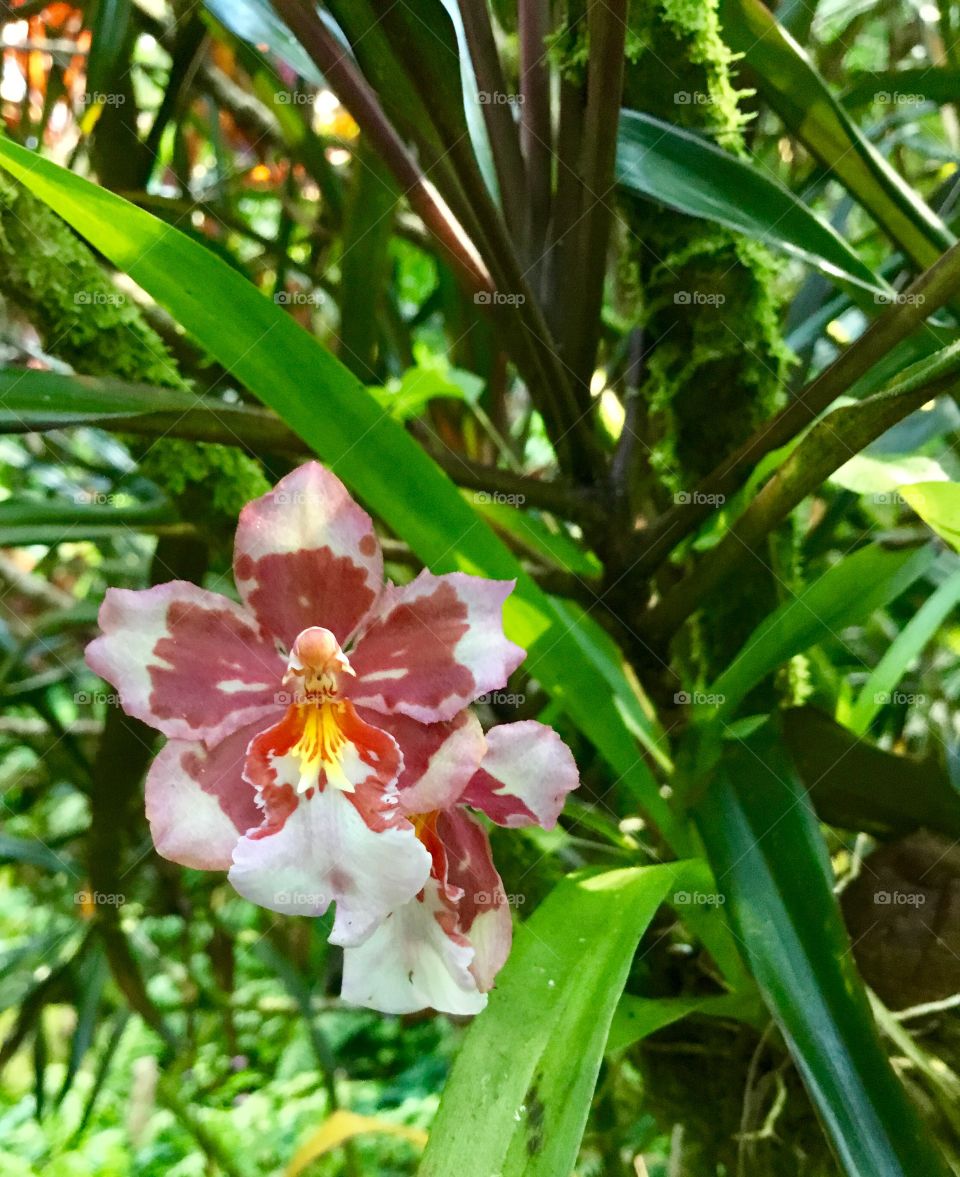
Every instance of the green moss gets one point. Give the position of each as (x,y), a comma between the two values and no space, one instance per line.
(202,475)
(706,296)
(52,278)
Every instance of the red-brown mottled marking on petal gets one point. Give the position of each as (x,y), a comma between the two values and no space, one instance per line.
(211,664)
(433,646)
(297,590)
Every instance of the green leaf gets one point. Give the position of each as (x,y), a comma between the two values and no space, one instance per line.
(36,400)
(255,21)
(892,87)
(763,841)
(269,353)
(109,24)
(517,1099)
(637,1018)
(845,595)
(938,505)
(878,690)
(881,474)
(792,85)
(855,785)
(23,523)
(540,536)
(682,170)
(31,851)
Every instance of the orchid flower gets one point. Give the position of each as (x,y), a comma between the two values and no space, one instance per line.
(320,748)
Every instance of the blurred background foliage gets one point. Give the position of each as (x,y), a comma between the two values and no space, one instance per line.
(154,1023)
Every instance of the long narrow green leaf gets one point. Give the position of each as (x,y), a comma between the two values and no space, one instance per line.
(255,21)
(845,595)
(327,406)
(683,170)
(907,645)
(637,1018)
(894,87)
(792,85)
(770,860)
(517,1099)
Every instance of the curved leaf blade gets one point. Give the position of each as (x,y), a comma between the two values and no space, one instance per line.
(769,857)
(794,88)
(680,169)
(517,1099)
(846,594)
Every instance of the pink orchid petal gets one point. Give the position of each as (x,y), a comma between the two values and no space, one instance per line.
(439,759)
(414,960)
(483,914)
(325,852)
(433,646)
(198,803)
(525,776)
(188,662)
(306,554)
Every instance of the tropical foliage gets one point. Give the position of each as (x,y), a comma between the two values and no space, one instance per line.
(628,333)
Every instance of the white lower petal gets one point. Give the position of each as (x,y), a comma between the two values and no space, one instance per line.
(325,852)
(411,963)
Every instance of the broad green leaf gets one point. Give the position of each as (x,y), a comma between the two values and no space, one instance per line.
(688,173)
(517,1099)
(855,785)
(845,595)
(764,843)
(879,689)
(269,353)
(792,85)
(938,505)
(371,209)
